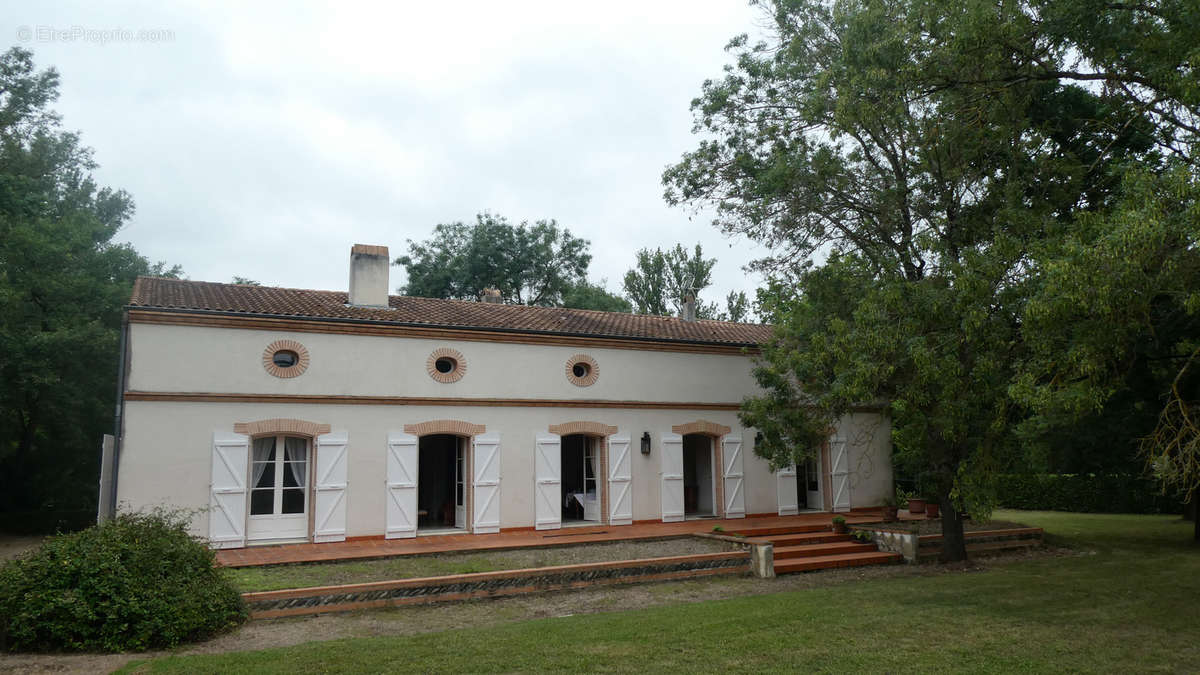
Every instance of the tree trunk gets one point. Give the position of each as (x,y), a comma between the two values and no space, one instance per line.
(954,544)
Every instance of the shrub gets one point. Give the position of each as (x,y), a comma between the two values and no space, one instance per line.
(139,581)
(1084,492)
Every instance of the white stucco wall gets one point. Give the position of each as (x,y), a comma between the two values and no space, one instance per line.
(223,360)
(166,452)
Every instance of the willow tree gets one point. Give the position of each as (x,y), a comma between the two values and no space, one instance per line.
(900,160)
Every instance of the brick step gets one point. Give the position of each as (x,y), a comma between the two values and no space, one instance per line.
(830,548)
(767,531)
(803,539)
(838,560)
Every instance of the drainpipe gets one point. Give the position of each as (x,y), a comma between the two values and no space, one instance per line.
(119,416)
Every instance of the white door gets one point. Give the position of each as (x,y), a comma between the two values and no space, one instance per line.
(401,486)
(547,481)
(672,478)
(620,481)
(460,487)
(789,498)
(279,479)
(329,515)
(227,505)
(810,483)
(839,473)
(735,479)
(486,467)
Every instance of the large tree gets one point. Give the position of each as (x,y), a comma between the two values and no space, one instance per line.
(660,281)
(530,264)
(63,282)
(901,160)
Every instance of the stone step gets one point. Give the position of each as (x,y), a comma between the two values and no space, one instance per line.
(821,562)
(803,539)
(829,548)
(770,531)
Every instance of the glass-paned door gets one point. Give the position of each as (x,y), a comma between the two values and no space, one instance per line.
(279,495)
(460,487)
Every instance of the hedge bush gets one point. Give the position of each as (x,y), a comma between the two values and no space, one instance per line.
(1088,493)
(137,582)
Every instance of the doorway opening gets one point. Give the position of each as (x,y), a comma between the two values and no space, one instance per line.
(808,485)
(279,499)
(580,483)
(441,484)
(699,484)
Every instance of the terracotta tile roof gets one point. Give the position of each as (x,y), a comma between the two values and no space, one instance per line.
(175,294)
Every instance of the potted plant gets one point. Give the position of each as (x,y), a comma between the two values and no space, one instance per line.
(891,510)
(916,505)
(839,525)
(931,508)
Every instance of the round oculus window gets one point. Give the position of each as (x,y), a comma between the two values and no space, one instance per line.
(285,358)
(580,370)
(445,365)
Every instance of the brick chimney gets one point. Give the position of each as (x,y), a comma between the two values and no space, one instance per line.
(491,295)
(688,311)
(369,267)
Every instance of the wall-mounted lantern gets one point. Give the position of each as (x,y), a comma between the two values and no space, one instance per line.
(645,442)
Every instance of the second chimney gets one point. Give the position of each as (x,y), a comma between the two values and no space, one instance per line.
(369,266)
(490,295)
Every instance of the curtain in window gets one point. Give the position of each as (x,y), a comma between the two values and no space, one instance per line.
(296,454)
(263,451)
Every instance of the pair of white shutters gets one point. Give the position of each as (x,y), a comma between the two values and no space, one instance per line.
(789,502)
(547,481)
(402,484)
(230,469)
(731,474)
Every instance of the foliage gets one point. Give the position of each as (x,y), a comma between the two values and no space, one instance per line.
(63,282)
(839,520)
(529,264)
(585,295)
(660,280)
(931,149)
(863,536)
(1085,493)
(244,281)
(138,581)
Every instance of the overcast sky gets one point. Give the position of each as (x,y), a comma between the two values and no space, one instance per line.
(262,140)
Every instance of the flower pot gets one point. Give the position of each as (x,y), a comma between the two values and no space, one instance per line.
(931,510)
(916,506)
(840,528)
(891,514)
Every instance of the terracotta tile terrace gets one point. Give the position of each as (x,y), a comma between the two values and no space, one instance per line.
(378,547)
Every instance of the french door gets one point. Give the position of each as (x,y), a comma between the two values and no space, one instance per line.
(460,487)
(279,494)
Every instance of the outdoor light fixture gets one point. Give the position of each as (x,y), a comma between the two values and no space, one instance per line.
(758,439)
(645,442)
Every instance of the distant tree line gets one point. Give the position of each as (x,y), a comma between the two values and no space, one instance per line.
(543,264)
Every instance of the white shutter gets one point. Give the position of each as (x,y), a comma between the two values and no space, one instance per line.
(547,481)
(329,520)
(620,481)
(789,498)
(731,457)
(227,506)
(401,486)
(486,465)
(672,478)
(840,474)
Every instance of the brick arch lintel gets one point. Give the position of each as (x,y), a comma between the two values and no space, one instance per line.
(453,427)
(281,425)
(701,427)
(580,427)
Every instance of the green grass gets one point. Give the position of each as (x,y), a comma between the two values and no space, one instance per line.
(1125,600)
(249,579)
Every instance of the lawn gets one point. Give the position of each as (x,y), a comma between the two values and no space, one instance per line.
(1124,599)
(249,579)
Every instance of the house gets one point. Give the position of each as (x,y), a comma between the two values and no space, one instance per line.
(300,415)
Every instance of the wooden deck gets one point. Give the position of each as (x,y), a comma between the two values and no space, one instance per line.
(378,547)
